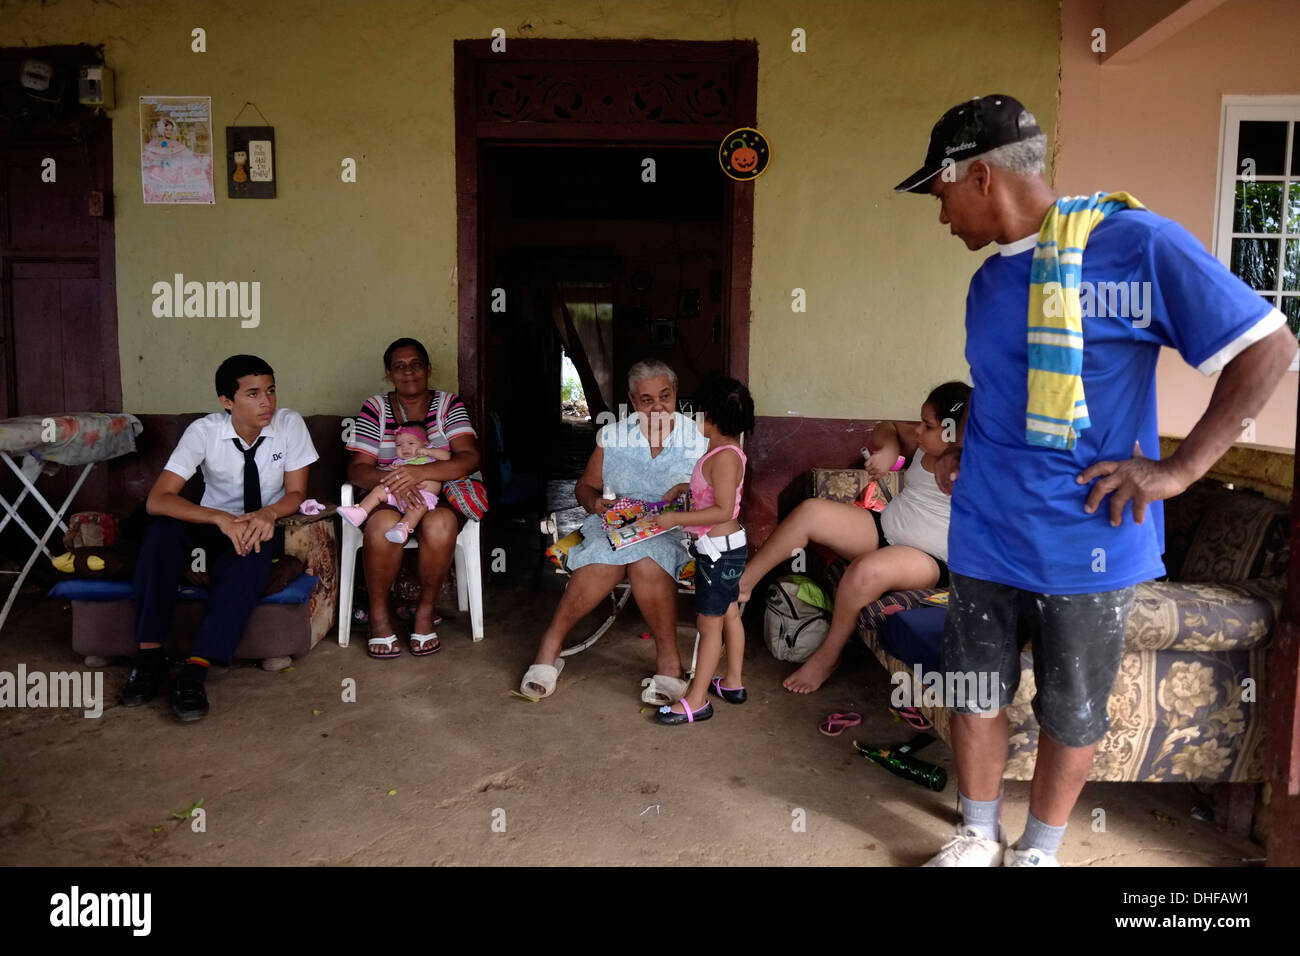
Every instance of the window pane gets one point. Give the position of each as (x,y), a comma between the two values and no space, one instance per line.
(1295,149)
(1291,266)
(1265,143)
(1291,309)
(1255,260)
(1293,217)
(1258,207)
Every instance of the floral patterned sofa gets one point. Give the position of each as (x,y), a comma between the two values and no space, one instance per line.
(1188,704)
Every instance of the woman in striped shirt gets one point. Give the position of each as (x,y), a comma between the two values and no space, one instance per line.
(373,448)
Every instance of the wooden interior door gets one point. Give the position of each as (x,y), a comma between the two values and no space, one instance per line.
(60,340)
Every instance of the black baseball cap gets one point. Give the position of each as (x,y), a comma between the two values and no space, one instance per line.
(969,129)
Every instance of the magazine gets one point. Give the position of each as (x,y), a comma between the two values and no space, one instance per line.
(623,525)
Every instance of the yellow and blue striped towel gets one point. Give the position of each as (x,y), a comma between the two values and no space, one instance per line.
(1057,409)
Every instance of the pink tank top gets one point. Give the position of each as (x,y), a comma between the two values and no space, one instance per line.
(702,491)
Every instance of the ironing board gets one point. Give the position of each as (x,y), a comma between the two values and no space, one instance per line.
(46,443)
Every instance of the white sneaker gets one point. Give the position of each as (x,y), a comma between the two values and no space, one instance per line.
(1030,857)
(969,848)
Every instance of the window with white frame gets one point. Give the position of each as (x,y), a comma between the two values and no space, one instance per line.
(1257,220)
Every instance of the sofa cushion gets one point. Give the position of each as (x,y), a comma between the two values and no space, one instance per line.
(79,589)
(1241,535)
(916,637)
(1183,514)
(1177,616)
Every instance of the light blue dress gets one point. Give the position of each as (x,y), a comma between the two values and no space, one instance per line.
(630,472)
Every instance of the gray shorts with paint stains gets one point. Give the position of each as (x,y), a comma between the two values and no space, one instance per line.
(1077,640)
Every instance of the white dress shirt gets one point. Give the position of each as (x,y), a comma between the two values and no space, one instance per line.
(207,444)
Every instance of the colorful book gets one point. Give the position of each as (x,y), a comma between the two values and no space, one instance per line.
(622,526)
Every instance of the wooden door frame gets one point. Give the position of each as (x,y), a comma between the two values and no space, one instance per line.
(741,56)
(1282,715)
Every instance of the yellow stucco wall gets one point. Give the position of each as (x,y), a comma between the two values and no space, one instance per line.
(345,268)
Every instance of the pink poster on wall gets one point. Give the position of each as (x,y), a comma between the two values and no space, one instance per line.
(176,149)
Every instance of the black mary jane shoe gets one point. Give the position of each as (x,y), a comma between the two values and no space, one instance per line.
(670,718)
(143,683)
(732,695)
(189,699)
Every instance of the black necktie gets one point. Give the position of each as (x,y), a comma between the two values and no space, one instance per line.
(252,485)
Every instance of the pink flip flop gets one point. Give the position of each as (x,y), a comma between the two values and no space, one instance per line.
(836,724)
(912,717)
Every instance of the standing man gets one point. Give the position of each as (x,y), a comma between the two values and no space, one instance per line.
(254,460)
(1057,514)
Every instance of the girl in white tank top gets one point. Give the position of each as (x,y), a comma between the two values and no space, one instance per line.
(918,517)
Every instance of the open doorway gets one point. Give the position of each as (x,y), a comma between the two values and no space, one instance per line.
(595,223)
(599,270)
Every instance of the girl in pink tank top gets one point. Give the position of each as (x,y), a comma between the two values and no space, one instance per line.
(726,412)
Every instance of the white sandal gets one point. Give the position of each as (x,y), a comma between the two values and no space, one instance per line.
(541,676)
(418,639)
(662,690)
(389,642)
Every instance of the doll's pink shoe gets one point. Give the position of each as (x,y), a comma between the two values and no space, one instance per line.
(355,514)
(398,533)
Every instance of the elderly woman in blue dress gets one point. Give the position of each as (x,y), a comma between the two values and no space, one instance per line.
(648,456)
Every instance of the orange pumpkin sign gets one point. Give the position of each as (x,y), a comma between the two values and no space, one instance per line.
(744,154)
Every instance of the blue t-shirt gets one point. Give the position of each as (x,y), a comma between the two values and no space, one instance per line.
(1017,512)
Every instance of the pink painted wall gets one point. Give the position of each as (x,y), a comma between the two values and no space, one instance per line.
(1152,128)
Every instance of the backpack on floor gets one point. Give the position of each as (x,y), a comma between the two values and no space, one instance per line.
(792,628)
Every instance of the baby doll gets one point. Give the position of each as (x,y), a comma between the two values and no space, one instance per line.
(411,450)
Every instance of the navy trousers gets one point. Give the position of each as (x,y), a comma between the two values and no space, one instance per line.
(237,583)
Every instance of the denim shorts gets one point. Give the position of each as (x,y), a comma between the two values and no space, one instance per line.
(1077,641)
(717,583)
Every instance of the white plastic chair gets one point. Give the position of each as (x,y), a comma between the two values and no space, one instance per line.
(469,571)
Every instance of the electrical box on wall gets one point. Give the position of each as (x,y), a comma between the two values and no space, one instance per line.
(41,80)
(95,87)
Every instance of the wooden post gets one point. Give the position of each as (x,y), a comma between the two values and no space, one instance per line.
(1282,758)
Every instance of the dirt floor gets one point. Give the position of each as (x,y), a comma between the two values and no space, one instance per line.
(436,749)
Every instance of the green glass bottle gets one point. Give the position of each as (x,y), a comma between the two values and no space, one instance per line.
(907,767)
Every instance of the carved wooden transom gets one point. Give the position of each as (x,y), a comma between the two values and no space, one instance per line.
(608,92)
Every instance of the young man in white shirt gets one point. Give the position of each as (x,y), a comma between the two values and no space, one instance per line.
(254,460)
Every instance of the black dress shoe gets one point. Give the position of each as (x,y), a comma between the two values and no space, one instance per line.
(142,686)
(189,699)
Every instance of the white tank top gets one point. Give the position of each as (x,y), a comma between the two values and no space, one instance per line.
(918,517)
